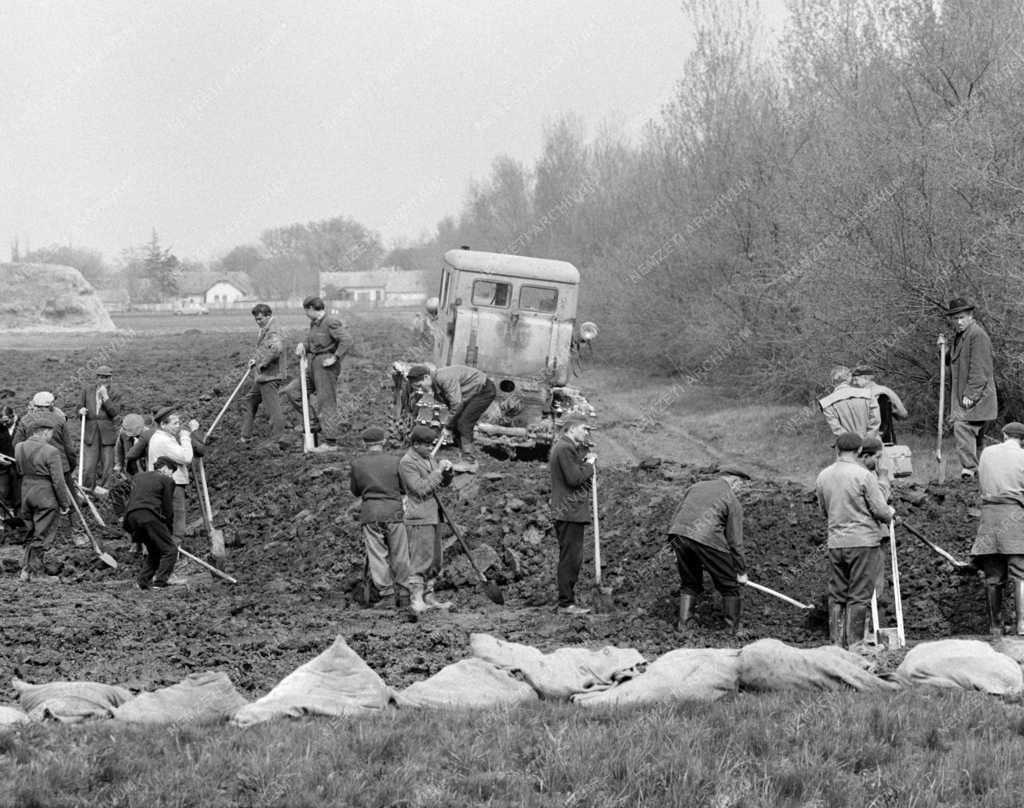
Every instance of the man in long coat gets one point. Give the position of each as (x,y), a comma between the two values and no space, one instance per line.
(99,406)
(972,397)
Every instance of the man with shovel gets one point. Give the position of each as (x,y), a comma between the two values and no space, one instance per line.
(174,441)
(268,363)
(571,464)
(149,518)
(99,406)
(999,547)
(707,533)
(972,399)
(45,494)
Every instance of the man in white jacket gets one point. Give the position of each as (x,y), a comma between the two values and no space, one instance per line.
(173,441)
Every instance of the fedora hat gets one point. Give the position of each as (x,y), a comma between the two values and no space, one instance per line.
(958,305)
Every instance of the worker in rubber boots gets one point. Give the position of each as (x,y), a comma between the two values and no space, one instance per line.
(707,534)
(422,477)
(44,493)
(268,364)
(376,481)
(571,465)
(853,502)
(467,393)
(326,344)
(99,406)
(998,549)
(848,408)
(149,518)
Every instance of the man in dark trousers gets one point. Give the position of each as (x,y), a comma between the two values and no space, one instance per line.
(707,533)
(467,393)
(268,365)
(10,482)
(149,517)
(572,468)
(376,481)
(972,393)
(44,492)
(326,344)
(99,407)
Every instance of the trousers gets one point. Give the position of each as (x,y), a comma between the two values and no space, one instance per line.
(387,550)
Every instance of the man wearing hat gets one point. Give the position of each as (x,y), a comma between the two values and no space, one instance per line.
(149,518)
(133,429)
(571,464)
(466,392)
(44,402)
(889,404)
(376,481)
(848,408)
(422,477)
(99,407)
(998,549)
(44,493)
(849,495)
(972,395)
(174,441)
(707,533)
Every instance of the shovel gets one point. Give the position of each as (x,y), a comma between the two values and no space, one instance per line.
(897,599)
(227,403)
(769,591)
(307,433)
(602,594)
(92,507)
(81,447)
(959,566)
(942,405)
(216,534)
(105,557)
(210,567)
(491,589)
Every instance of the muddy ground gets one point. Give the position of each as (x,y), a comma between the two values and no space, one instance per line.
(297,554)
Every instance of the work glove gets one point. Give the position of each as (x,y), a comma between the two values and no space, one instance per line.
(193,425)
(327,361)
(591,458)
(742,578)
(252,363)
(300,349)
(446,434)
(967,402)
(83,411)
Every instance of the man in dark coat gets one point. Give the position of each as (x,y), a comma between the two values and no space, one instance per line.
(99,406)
(10,483)
(707,533)
(571,464)
(972,394)
(44,402)
(268,364)
(149,517)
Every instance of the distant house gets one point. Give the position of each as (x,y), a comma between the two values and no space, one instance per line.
(386,286)
(221,290)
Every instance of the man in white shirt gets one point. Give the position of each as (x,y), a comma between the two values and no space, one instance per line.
(175,442)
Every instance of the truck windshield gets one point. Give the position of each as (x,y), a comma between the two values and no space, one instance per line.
(538,298)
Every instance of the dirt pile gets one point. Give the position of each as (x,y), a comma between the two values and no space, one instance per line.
(45,297)
(297,553)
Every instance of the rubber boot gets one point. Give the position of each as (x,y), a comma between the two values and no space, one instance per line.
(994,597)
(731,608)
(856,617)
(1018,596)
(837,624)
(686,603)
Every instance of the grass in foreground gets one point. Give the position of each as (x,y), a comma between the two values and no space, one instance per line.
(914,748)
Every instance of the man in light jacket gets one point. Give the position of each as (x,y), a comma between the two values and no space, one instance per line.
(268,363)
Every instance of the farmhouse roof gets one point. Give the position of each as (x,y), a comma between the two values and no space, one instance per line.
(199,283)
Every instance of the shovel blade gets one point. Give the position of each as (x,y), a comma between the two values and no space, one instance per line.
(108,559)
(217,543)
(493,592)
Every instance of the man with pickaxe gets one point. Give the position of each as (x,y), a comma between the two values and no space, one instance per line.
(999,547)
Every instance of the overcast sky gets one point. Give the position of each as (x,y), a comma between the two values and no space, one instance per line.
(212,121)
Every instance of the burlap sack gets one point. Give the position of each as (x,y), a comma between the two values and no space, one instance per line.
(773,665)
(200,698)
(965,664)
(70,702)
(467,684)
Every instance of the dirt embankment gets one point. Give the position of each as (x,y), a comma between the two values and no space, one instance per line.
(298,555)
(45,297)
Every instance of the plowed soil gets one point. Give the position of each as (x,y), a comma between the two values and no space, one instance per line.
(296,550)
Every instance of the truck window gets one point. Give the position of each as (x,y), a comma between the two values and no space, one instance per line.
(491,293)
(538,298)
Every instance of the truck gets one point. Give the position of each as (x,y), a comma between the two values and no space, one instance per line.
(514,318)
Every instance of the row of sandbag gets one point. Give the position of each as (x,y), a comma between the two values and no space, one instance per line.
(502,674)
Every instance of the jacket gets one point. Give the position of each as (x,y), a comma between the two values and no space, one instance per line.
(455,385)
(39,464)
(270,356)
(61,440)
(376,481)
(710,514)
(421,478)
(570,482)
(971,375)
(849,495)
(102,418)
(1001,480)
(328,336)
(851,409)
(179,449)
(153,492)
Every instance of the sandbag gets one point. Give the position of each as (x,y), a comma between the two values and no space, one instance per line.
(469,683)
(70,702)
(337,682)
(12,715)
(773,665)
(687,674)
(199,698)
(965,664)
(561,673)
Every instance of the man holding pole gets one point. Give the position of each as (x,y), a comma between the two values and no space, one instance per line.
(972,398)
(268,364)
(99,407)
(999,547)
(571,464)
(849,495)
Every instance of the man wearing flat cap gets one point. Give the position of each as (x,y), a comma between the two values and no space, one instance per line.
(998,549)
(99,406)
(848,408)
(376,481)
(44,402)
(422,477)
(179,443)
(853,502)
(571,464)
(972,395)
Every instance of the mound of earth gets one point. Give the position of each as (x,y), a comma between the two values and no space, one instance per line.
(296,551)
(46,297)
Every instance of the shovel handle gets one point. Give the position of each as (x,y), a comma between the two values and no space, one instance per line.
(597,529)
(462,541)
(944,553)
(769,591)
(307,434)
(210,567)
(227,403)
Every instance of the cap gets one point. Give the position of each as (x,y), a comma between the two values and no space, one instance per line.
(1014,429)
(958,305)
(39,420)
(864,370)
(42,399)
(848,442)
(133,424)
(104,370)
(373,434)
(734,471)
(417,372)
(421,433)
(162,413)
(870,446)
